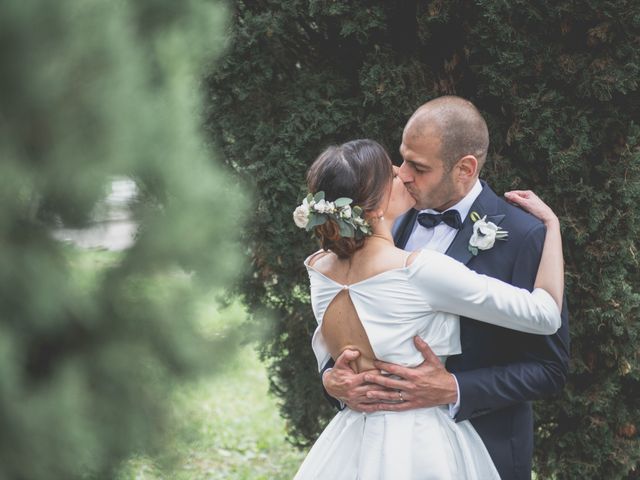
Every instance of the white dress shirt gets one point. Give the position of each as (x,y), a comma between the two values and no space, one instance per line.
(439,238)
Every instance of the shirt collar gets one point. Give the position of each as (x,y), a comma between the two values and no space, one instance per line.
(464,205)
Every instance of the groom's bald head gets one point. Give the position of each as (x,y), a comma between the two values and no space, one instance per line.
(457,124)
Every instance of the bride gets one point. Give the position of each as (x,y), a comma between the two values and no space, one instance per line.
(367,295)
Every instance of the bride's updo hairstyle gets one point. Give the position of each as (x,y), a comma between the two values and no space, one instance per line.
(360,170)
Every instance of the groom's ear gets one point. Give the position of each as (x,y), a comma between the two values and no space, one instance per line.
(467,168)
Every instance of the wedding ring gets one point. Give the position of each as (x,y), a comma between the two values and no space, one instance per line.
(400,392)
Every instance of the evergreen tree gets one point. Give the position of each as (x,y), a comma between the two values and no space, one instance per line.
(89,90)
(558,84)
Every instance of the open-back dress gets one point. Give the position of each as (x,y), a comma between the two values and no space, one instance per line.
(423,298)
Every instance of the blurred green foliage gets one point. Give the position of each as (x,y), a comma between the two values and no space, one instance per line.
(90,345)
(226,426)
(557,81)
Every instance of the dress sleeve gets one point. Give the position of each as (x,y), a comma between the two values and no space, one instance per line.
(449,286)
(320,349)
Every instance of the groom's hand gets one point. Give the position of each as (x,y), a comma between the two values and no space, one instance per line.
(343,383)
(427,385)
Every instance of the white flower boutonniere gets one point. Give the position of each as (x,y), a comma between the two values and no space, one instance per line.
(485,234)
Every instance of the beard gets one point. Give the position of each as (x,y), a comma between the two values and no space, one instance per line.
(439,197)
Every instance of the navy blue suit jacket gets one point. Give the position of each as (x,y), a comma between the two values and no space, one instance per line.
(500,371)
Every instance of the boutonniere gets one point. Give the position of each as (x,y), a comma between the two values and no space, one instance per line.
(485,234)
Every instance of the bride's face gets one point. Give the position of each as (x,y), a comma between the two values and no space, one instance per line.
(400,200)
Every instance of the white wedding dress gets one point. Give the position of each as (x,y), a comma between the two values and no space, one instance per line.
(423,298)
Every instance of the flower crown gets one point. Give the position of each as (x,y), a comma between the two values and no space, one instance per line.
(315,210)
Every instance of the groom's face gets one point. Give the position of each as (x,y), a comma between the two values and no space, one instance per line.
(424,174)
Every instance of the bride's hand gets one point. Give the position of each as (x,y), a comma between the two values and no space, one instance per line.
(530,202)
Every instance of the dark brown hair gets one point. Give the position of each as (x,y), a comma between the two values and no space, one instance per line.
(360,170)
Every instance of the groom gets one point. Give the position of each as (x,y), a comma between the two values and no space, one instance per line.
(500,371)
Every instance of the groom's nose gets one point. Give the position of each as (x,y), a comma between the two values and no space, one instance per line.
(403,172)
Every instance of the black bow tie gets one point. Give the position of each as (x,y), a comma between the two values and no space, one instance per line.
(450,217)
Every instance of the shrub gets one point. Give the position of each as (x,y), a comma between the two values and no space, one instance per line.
(558,83)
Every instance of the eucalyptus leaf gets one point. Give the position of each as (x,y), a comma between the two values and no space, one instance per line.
(346,230)
(342,202)
(318,196)
(316,220)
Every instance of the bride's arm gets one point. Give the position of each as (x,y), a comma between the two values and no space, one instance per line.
(448,285)
(550,275)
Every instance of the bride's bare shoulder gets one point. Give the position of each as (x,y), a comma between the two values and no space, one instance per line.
(411,258)
(321,260)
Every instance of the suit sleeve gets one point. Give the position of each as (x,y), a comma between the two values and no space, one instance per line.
(325,362)
(542,364)
(333,401)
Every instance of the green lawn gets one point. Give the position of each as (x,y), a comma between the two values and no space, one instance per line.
(228,428)
(227,424)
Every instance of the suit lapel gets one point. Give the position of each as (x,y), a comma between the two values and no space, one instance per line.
(485,204)
(402,234)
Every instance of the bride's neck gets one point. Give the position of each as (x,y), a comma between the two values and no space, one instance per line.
(382,231)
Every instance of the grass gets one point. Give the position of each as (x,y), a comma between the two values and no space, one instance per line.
(228,426)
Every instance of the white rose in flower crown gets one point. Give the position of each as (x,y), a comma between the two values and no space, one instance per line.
(346,212)
(301,215)
(323,206)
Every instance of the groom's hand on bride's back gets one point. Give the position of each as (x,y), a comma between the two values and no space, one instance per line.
(427,385)
(349,387)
